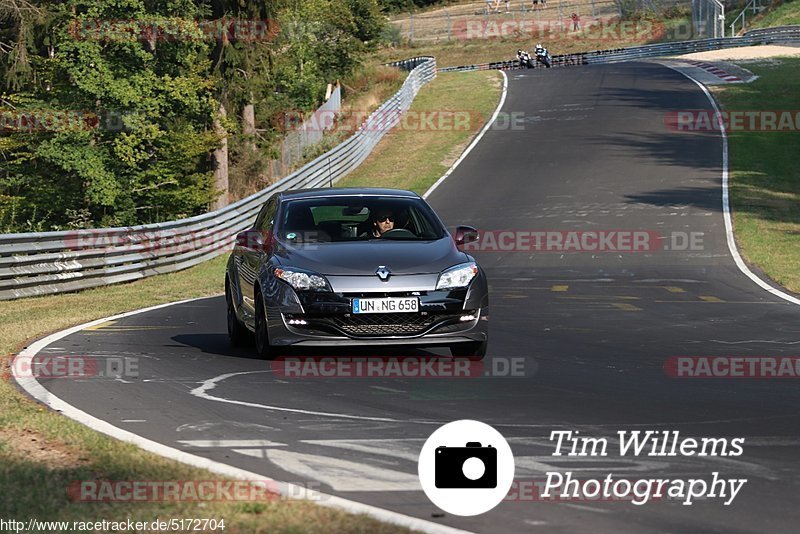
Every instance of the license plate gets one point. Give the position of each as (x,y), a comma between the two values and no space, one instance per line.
(386,305)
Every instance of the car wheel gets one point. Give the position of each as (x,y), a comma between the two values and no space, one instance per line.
(263,347)
(237,332)
(474,349)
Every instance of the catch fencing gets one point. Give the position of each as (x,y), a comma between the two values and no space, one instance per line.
(708,19)
(294,146)
(44,263)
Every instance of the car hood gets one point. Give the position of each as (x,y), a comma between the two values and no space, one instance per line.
(364,257)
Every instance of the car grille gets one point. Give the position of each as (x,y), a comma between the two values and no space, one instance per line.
(384,324)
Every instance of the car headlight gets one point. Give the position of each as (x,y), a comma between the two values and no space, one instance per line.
(303,280)
(458,276)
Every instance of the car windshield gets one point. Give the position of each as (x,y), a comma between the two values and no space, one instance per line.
(358,218)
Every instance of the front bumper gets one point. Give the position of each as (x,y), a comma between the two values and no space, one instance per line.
(326,319)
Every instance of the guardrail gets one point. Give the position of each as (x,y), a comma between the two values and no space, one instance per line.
(778,35)
(55,262)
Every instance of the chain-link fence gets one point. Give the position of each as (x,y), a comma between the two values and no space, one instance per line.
(708,19)
(310,132)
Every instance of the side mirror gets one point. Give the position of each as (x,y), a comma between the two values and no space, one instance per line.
(251,240)
(465,234)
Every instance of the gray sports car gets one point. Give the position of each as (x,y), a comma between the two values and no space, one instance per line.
(343,267)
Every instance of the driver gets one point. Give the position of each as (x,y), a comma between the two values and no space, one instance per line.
(382,222)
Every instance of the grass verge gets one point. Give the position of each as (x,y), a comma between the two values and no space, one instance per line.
(413,156)
(42,453)
(764,173)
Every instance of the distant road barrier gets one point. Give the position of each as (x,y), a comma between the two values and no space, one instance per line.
(777,35)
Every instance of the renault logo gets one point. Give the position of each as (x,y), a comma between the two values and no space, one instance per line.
(383,273)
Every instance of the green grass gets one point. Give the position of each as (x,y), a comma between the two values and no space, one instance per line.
(765,175)
(784,14)
(399,160)
(41,452)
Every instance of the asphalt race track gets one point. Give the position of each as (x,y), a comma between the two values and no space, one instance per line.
(593,332)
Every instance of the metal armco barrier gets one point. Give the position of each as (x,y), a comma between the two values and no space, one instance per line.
(55,262)
(777,35)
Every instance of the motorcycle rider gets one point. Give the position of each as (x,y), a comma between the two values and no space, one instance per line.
(542,54)
(523,57)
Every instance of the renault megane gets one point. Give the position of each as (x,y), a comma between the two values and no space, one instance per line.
(343,267)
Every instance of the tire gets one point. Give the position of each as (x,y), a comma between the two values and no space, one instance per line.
(474,349)
(237,332)
(261,334)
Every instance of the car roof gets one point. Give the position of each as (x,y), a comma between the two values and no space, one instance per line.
(328,192)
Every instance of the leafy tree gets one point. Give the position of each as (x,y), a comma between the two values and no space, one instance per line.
(145,157)
(128,98)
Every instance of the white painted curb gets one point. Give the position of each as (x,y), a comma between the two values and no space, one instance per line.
(474,141)
(737,258)
(24,359)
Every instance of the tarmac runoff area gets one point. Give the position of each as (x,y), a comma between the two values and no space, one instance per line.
(747,52)
(720,67)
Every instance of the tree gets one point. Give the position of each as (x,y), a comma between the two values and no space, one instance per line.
(144,156)
(126,106)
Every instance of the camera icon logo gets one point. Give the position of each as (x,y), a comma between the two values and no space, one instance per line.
(472,466)
(464,476)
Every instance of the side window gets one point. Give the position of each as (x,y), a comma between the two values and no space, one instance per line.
(265,218)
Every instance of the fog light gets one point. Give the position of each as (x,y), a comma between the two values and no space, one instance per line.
(467,318)
(297,321)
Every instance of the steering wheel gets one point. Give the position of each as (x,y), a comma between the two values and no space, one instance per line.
(398,233)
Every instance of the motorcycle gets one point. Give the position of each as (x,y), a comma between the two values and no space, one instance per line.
(543,57)
(525,60)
